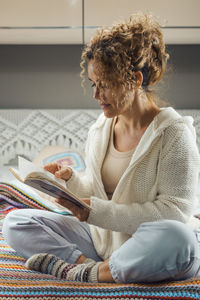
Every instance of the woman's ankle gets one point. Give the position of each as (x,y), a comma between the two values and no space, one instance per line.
(81,259)
(84,260)
(104,273)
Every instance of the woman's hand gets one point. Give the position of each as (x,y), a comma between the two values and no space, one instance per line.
(60,172)
(81,213)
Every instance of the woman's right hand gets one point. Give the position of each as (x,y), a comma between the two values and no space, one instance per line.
(60,172)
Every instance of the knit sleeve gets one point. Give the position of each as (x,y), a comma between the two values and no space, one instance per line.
(179,165)
(82,185)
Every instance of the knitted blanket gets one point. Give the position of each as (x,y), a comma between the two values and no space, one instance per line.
(18,283)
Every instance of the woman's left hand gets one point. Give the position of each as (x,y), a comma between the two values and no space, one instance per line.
(81,213)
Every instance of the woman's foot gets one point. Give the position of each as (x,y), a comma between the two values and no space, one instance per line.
(50,264)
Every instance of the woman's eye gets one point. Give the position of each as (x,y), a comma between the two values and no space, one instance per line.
(93,85)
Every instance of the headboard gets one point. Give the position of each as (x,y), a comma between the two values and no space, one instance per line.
(25,132)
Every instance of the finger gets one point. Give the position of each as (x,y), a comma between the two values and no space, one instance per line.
(68,204)
(79,212)
(52,167)
(64,173)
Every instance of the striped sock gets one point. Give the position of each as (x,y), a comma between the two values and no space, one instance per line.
(50,264)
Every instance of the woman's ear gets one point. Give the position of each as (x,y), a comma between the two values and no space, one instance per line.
(138,79)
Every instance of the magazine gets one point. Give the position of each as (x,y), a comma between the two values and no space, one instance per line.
(44,181)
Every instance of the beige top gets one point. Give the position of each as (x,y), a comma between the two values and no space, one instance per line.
(114,165)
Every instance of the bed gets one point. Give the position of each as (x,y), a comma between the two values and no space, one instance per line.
(26,132)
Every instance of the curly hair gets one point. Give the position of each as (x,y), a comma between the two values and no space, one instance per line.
(125,48)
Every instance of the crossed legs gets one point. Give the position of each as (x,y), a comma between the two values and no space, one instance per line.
(157,250)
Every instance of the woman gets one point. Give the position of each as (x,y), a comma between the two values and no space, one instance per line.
(141,177)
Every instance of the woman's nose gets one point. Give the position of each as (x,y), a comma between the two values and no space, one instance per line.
(96,93)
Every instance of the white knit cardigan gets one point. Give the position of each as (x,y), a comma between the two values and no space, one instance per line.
(159,183)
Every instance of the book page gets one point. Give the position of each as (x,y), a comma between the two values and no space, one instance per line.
(54,191)
(26,167)
(15,172)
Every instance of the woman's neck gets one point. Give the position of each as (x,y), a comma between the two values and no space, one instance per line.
(139,116)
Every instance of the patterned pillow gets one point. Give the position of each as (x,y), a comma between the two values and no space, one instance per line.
(61,155)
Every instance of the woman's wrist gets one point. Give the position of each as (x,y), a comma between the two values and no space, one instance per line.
(86,211)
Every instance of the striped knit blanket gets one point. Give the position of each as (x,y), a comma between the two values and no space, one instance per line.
(19,195)
(18,283)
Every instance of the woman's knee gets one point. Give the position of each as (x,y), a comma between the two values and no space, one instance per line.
(164,248)
(170,233)
(185,248)
(23,229)
(13,225)
(175,242)
(11,220)
(178,237)
(19,228)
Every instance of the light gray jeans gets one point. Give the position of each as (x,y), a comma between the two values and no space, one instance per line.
(161,250)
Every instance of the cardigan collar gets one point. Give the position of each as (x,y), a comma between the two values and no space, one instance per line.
(166,117)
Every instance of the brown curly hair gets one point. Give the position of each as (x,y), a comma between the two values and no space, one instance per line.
(124,49)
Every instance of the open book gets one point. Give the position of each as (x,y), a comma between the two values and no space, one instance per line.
(44,181)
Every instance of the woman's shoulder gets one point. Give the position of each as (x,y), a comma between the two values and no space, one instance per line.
(177,131)
(180,135)
(172,123)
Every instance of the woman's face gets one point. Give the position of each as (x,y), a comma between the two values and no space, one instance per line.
(110,101)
